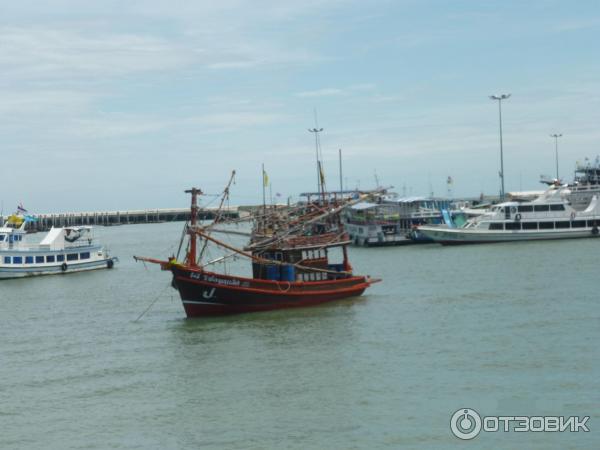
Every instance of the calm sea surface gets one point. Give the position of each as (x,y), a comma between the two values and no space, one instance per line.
(505,329)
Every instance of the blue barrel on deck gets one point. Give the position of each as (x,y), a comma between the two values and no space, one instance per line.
(272,272)
(288,273)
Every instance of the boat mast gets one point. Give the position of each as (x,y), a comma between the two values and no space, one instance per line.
(191,257)
(264,183)
(219,212)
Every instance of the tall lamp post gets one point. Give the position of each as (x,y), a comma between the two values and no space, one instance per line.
(556,136)
(500,98)
(316,131)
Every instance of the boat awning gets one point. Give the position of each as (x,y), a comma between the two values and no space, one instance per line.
(365,205)
(54,239)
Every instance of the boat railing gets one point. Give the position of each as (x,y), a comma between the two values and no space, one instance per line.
(425,214)
(374,222)
(34,247)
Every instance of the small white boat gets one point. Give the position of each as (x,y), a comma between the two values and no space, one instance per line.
(62,250)
(550,216)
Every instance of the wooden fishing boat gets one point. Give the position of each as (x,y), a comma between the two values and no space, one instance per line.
(292,270)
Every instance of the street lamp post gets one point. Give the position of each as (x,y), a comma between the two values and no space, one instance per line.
(316,131)
(500,98)
(556,136)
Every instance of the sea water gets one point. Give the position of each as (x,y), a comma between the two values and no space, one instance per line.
(107,359)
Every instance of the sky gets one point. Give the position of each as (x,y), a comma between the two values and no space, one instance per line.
(113,105)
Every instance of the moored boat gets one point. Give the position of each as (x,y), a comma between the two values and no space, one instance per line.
(62,250)
(292,270)
(391,220)
(549,216)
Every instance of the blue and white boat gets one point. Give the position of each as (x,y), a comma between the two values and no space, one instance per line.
(62,250)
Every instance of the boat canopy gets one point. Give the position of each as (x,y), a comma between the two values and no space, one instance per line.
(363,206)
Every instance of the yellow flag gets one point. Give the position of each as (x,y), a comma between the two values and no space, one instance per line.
(265,179)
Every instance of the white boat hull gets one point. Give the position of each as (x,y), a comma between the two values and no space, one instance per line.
(449,236)
(7,272)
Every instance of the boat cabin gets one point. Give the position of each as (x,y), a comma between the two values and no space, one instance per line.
(307,258)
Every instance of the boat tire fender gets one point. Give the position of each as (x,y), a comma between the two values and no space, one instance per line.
(595,230)
(288,287)
(517,217)
(64,267)
(110,263)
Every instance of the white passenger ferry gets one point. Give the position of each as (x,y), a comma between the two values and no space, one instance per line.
(62,250)
(550,216)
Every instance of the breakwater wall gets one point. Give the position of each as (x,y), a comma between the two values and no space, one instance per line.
(111,218)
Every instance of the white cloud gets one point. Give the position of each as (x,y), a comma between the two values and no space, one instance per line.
(576,25)
(325,92)
(34,53)
(113,125)
(233,120)
(330,92)
(20,104)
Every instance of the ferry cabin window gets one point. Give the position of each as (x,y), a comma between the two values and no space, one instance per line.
(546,225)
(29,260)
(86,255)
(7,260)
(525,208)
(562,224)
(513,225)
(593,223)
(496,226)
(529,225)
(557,208)
(50,258)
(60,258)
(72,256)
(541,208)
(578,224)
(1,237)
(39,259)
(17,260)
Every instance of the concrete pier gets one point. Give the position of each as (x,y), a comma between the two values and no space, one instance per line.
(112,218)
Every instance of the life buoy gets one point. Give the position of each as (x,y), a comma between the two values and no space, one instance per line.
(513,209)
(110,263)
(64,267)
(517,217)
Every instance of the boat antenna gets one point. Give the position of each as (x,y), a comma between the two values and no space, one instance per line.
(341,178)
(430,185)
(265,181)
